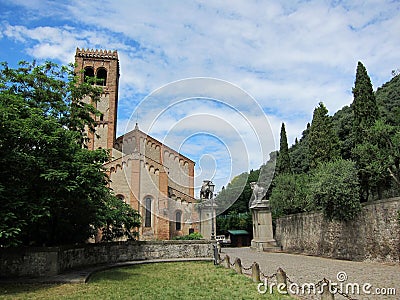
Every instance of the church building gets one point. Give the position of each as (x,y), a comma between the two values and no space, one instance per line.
(151,177)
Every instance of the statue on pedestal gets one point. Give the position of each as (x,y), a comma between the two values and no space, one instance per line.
(259,193)
(205,192)
(263,239)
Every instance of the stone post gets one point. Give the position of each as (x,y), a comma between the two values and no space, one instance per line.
(238,266)
(326,293)
(227,262)
(281,280)
(219,247)
(255,272)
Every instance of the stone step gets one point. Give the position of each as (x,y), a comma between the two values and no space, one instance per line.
(272,249)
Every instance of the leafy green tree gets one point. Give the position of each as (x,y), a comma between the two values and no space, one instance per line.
(267,174)
(118,220)
(388,101)
(53,190)
(237,215)
(299,158)
(378,158)
(283,162)
(290,195)
(342,122)
(335,189)
(364,105)
(365,112)
(234,221)
(236,196)
(323,144)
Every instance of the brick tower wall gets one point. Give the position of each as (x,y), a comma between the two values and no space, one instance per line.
(107,123)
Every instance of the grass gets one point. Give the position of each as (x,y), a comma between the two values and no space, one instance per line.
(189,280)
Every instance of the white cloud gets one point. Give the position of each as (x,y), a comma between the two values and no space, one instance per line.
(288,55)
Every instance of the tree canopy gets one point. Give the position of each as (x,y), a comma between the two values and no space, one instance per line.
(335,190)
(341,160)
(388,99)
(283,162)
(53,190)
(323,144)
(364,104)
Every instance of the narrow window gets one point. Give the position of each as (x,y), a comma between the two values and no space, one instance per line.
(178,220)
(101,117)
(102,76)
(88,74)
(147,219)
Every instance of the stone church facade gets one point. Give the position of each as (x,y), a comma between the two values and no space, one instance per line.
(148,175)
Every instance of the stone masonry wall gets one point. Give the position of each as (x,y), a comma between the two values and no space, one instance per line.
(48,261)
(374,235)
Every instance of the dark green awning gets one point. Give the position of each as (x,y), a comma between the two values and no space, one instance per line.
(238,232)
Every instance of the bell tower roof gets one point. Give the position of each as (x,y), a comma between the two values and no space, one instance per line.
(97,53)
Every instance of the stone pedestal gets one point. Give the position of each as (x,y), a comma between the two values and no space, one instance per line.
(207,214)
(263,237)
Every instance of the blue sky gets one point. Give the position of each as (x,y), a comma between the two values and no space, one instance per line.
(282,56)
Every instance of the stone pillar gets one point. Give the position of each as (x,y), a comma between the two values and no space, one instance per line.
(207,215)
(281,280)
(263,238)
(326,293)
(238,266)
(255,272)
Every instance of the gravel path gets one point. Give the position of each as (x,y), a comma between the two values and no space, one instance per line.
(309,269)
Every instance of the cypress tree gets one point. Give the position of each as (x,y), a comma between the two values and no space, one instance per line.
(364,104)
(299,160)
(283,163)
(323,144)
(366,113)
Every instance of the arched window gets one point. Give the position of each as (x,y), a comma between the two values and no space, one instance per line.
(147,218)
(121,197)
(89,73)
(178,220)
(102,76)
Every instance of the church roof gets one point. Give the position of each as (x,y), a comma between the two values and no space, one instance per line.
(137,132)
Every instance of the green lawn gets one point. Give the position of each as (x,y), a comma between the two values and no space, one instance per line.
(189,280)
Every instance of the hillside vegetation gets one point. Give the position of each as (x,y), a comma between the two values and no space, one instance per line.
(339,161)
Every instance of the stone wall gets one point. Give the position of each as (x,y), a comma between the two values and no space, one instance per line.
(48,261)
(374,235)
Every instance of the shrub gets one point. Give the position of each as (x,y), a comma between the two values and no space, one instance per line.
(290,195)
(192,236)
(335,189)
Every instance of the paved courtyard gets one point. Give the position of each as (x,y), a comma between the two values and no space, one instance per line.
(309,269)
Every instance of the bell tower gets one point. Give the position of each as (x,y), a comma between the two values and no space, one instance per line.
(104,65)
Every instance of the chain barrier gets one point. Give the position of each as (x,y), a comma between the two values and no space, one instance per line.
(319,283)
(268,277)
(345,295)
(246,269)
(303,288)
